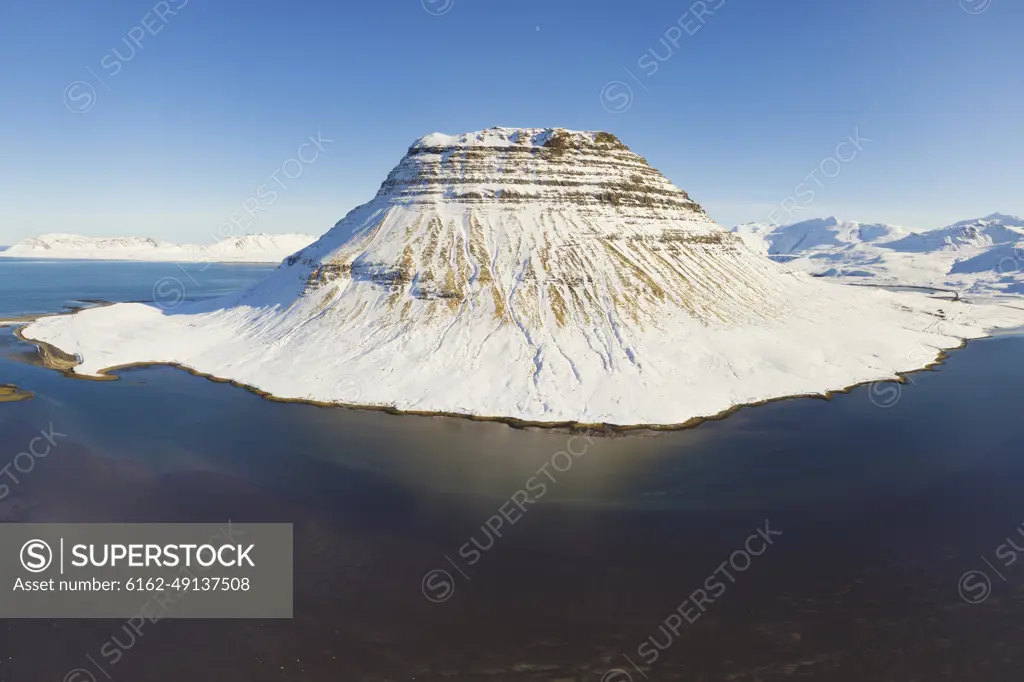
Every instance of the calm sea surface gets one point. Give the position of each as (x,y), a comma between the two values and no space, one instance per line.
(876,504)
(35,286)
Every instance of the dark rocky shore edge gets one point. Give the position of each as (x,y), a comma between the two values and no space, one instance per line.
(54,358)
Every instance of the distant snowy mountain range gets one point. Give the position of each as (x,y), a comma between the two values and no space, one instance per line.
(250,248)
(979,256)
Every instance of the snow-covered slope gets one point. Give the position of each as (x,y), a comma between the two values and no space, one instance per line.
(256,247)
(251,248)
(983,256)
(540,274)
(963,236)
(820,234)
(68,243)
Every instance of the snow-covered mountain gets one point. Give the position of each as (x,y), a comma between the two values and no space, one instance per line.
(256,247)
(74,242)
(252,248)
(539,274)
(983,256)
(819,234)
(966,235)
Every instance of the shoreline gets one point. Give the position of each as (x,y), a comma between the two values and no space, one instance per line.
(22,320)
(54,358)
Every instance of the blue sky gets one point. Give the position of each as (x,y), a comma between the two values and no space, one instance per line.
(161,119)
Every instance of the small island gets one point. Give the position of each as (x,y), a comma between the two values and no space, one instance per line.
(13,394)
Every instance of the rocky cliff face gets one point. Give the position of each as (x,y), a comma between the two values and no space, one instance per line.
(537,227)
(591,171)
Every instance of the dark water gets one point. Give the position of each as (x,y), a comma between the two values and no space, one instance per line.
(881,511)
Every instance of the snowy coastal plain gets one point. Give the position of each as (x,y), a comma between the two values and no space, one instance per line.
(541,275)
(250,248)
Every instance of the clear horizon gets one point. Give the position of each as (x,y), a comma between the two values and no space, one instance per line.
(216,236)
(164,119)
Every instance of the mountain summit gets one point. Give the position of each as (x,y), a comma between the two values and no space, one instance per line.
(541,274)
(593,171)
(536,227)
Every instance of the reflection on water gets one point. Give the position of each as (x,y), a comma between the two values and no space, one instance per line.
(943,423)
(881,511)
